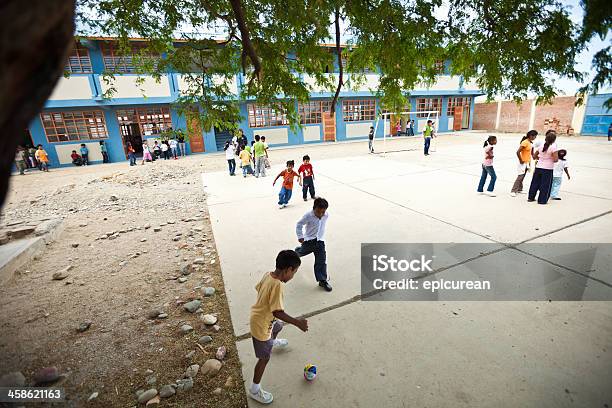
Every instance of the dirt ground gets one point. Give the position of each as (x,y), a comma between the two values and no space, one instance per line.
(115,283)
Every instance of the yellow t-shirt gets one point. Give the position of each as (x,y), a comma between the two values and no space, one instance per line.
(245,157)
(269,299)
(526,151)
(41,155)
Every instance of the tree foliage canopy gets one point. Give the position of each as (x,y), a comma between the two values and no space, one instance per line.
(510,47)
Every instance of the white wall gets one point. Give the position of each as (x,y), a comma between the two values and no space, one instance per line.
(451,122)
(578,116)
(358,129)
(471,85)
(312,133)
(274,136)
(75,87)
(126,86)
(65,150)
(443,82)
(310,81)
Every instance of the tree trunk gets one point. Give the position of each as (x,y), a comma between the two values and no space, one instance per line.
(36,38)
(339,54)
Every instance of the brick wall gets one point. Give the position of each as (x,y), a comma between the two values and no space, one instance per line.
(557,116)
(514,117)
(485,115)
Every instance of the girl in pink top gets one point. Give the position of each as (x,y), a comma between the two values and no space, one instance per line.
(547,156)
(487,167)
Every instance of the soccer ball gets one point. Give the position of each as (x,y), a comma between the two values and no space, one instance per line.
(310,372)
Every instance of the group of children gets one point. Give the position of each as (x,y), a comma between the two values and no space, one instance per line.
(31,158)
(253,159)
(550,164)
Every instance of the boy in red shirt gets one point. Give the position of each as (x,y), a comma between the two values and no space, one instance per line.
(285,193)
(305,171)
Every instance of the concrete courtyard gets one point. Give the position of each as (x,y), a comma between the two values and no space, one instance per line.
(424,354)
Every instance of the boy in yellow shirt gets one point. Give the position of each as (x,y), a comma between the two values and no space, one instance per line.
(264,326)
(245,158)
(42,158)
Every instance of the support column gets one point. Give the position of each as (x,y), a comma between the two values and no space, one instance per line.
(499,106)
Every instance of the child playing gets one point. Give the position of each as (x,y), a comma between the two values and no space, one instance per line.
(427,134)
(305,171)
(288,174)
(371,139)
(146,153)
(523,153)
(104,152)
(487,167)
(84,154)
(264,326)
(76,159)
(131,154)
(42,158)
(310,230)
(558,170)
(245,159)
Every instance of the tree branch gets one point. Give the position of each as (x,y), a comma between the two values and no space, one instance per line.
(339,53)
(247,45)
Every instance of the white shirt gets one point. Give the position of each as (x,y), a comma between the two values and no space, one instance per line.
(164,147)
(173,143)
(311,227)
(230,152)
(559,167)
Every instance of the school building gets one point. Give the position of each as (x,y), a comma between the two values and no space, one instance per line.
(139,110)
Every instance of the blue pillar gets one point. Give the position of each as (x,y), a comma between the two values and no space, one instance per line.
(114,143)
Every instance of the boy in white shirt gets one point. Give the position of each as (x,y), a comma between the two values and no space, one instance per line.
(310,230)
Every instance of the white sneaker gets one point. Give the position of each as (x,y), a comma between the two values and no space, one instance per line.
(263,397)
(490,194)
(512,194)
(280,207)
(280,343)
(480,192)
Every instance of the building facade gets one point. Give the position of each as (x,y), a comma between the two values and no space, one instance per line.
(597,118)
(141,108)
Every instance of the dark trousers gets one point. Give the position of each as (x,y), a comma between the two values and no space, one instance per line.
(132,158)
(318,248)
(542,182)
(427,143)
(487,170)
(232,166)
(410,132)
(85,158)
(308,185)
(166,155)
(105,158)
(518,183)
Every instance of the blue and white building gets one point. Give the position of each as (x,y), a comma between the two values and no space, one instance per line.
(597,118)
(78,113)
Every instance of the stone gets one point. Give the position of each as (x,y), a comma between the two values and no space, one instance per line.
(147,395)
(153,401)
(192,370)
(205,340)
(217,391)
(74,245)
(221,353)
(21,232)
(147,226)
(151,380)
(12,379)
(162,316)
(229,383)
(189,355)
(208,291)
(186,329)
(199,261)
(187,269)
(209,319)
(148,371)
(63,274)
(216,327)
(185,384)
(143,240)
(156,229)
(84,326)
(171,221)
(176,239)
(182,279)
(212,262)
(167,391)
(192,306)
(211,367)
(114,198)
(46,375)
(154,313)
(93,396)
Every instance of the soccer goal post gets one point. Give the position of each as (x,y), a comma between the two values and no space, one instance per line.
(386,118)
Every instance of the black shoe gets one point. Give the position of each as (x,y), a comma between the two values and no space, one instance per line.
(305,199)
(325,285)
(556,198)
(530,201)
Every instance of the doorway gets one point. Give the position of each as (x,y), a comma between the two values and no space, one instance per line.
(465,118)
(130,132)
(25,138)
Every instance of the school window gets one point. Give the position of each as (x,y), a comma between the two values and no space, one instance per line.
(266,116)
(359,109)
(459,101)
(312,112)
(116,61)
(150,120)
(425,105)
(439,67)
(78,60)
(74,126)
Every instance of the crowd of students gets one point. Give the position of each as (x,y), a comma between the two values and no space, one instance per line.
(167,150)
(549,165)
